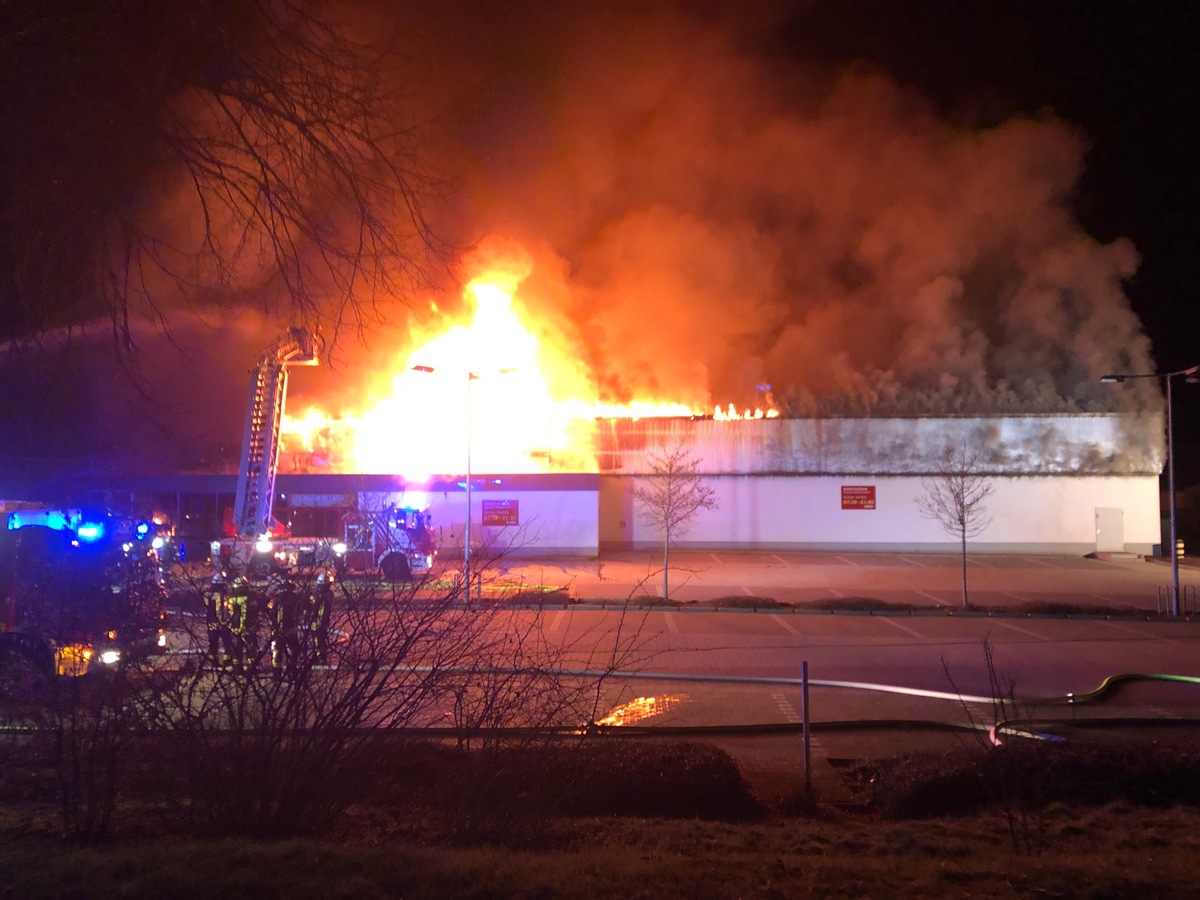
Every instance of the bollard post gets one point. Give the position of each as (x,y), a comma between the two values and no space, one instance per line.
(804,720)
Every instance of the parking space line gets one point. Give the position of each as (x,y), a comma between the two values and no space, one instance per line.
(904,628)
(785,707)
(846,561)
(715,558)
(1016,597)
(1018,628)
(671,626)
(931,597)
(787,626)
(913,562)
(747,591)
(782,561)
(836,592)
(1128,630)
(556,620)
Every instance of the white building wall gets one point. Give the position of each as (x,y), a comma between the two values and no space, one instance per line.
(1036,514)
(558,523)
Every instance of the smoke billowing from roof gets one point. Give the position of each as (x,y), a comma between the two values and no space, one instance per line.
(706,214)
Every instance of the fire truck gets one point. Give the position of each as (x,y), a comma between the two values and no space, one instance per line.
(79,590)
(396,541)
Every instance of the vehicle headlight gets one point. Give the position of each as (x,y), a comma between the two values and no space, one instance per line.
(162,639)
(158,543)
(339,548)
(110,657)
(263,545)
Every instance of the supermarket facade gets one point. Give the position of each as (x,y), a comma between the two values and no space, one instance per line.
(1058,484)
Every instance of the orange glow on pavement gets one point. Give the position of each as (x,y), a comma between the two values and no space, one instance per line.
(642,708)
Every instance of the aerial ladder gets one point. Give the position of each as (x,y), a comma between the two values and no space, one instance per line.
(396,542)
(260,440)
(252,520)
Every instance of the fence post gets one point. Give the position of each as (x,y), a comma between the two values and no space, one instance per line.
(807,736)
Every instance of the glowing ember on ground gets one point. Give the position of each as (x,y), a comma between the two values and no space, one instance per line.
(531,406)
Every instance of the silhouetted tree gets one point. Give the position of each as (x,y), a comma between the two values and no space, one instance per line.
(956,498)
(164,156)
(672,497)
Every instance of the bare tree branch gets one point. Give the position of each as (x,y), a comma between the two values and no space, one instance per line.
(672,497)
(168,156)
(956,498)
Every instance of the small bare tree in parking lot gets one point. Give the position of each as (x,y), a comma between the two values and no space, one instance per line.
(956,498)
(671,497)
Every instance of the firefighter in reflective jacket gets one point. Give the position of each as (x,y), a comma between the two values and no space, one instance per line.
(214,604)
(236,620)
(320,613)
(285,605)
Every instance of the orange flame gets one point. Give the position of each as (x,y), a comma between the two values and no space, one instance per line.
(481,393)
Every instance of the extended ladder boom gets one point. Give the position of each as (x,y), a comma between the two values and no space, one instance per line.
(260,440)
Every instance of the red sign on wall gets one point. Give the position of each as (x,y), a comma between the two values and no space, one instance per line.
(858,496)
(499,513)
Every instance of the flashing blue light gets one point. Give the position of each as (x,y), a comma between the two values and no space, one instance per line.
(90,532)
(143,529)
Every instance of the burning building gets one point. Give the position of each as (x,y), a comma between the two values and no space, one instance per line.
(490,397)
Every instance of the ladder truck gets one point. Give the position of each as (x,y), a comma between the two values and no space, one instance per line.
(256,542)
(396,541)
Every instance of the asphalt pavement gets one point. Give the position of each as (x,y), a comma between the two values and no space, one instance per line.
(928,581)
(912,675)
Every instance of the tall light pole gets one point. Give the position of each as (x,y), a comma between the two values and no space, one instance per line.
(471,376)
(1189,375)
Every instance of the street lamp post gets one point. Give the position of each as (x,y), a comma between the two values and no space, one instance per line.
(1189,374)
(471,376)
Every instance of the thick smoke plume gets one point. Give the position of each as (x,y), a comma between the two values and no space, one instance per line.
(707,215)
(710,216)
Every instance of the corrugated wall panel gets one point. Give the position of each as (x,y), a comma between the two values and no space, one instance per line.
(1108,444)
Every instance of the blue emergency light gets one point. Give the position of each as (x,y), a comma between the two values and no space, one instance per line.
(90,532)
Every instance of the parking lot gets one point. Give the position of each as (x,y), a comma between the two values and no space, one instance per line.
(997,582)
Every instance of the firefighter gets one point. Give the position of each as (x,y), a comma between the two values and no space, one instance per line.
(285,607)
(320,614)
(214,617)
(236,621)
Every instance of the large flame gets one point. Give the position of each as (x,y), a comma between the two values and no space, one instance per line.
(477,397)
